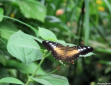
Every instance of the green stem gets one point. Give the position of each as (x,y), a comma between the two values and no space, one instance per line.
(38,67)
(53,71)
(86,23)
(30,78)
(27,82)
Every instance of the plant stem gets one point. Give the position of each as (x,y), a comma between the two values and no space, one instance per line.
(53,71)
(38,67)
(29,78)
(86,23)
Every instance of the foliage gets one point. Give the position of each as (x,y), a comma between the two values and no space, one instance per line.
(24,24)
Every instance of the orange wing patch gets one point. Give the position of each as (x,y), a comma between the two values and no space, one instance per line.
(60,52)
(71,53)
(65,53)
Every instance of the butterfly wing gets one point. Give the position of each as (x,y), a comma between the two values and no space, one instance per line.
(65,53)
(72,52)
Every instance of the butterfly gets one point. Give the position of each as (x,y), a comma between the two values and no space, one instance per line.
(66,53)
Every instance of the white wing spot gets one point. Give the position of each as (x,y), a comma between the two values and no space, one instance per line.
(53,46)
(50,43)
(84,48)
(88,47)
(81,49)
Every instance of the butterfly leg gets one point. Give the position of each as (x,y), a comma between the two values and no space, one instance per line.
(72,61)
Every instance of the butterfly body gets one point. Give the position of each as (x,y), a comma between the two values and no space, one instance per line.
(66,53)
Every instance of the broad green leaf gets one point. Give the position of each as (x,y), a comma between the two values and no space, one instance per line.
(61,42)
(1,14)
(51,79)
(9,80)
(7,29)
(64,43)
(25,68)
(32,9)
(23,47)
(46,34)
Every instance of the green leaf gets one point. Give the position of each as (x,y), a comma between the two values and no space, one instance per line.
(105,62)
(103,50)
(61,42)
(1,14)
(46,34)
(51,79)
(87,55)
(64,43)
(32,9)
(8,80)
(25,68)
(7,29)
(23,47)
(108,5)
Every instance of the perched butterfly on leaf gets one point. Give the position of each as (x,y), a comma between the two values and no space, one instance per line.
(66,53)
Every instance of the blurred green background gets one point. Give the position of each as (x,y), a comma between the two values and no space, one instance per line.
(84,22)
